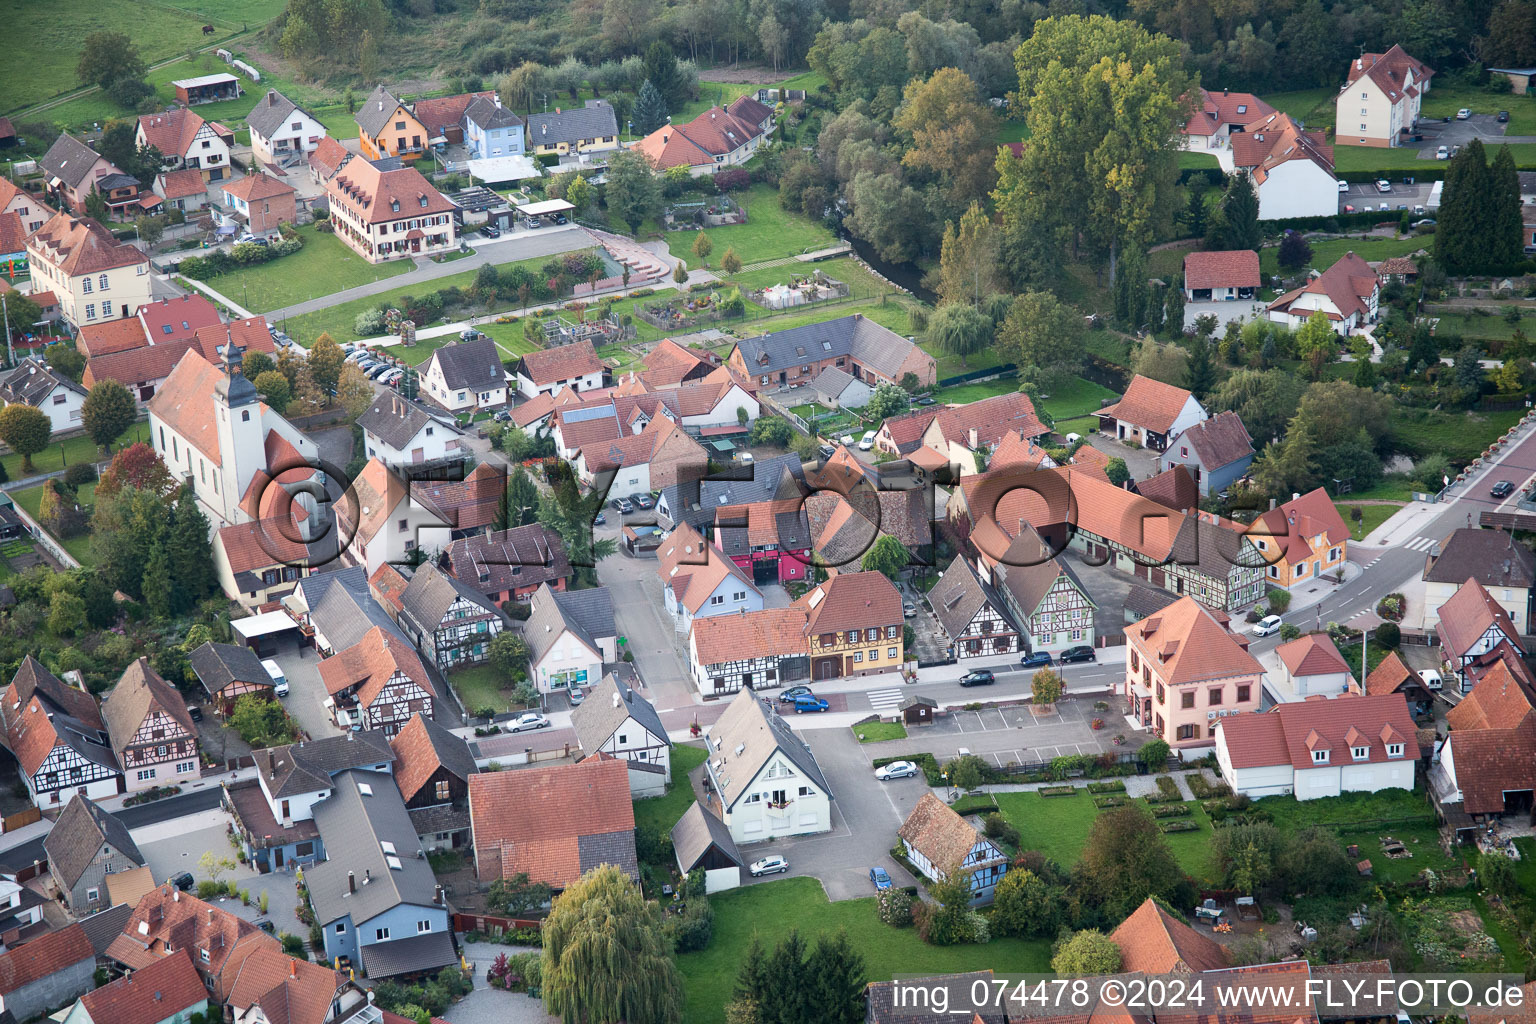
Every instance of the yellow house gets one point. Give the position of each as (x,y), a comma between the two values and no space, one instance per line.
(1300,540)
(386,127)
(95,277)
(853,626)
(590,129)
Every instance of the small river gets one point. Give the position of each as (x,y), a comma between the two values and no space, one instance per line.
(907,275)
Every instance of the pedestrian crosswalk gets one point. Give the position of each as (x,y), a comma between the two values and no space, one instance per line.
(1420,544)
(885,700)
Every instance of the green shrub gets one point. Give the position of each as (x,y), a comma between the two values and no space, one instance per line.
(1107,787)
(1179,825)
(1203,788)
(1279,601)
(693,928)
(974,803)
(1105,802)
(1171,811)
(78,474)
(894,907)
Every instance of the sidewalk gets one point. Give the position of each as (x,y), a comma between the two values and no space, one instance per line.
(1402,525)
(234,306)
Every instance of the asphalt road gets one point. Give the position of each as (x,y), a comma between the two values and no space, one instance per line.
(133,817)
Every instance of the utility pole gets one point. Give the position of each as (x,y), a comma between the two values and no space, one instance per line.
(5,314)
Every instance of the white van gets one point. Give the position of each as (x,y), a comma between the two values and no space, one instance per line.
(279,681)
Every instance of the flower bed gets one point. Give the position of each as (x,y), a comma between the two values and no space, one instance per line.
(1179,825)
(1106,802)
(1167,792)
(1204,789)
(1116,786)
(1058,790)
(1171,811)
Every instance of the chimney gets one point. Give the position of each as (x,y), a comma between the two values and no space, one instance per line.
(975,439)
(272,99)
(293,968)
(351,882)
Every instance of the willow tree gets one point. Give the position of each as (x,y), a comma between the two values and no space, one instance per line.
(606,956)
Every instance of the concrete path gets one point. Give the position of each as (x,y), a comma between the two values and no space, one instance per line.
(234,306)
(520,246)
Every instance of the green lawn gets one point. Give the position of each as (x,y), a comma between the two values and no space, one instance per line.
(1327,252)
(772,909)
(1076,398)
(662,812)
(951,365)
(1461,437)
(1490,327)
(860,282)
(1058,826)
(338,320)
(481,686)
(890,313)
(770,232)
(965,394)
(69,451)
(324,266)
(1198,161)
(711,94)
(1373,516)
(1011,131)
(45,65)
(31,499)
(1391,488)
(1304,102)
(1370,158)
(1445,100)
(874,732)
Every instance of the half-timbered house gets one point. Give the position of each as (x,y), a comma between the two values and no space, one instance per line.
(432,769)
(938,841)
(451,622)
(1043,594)
(229,672)
(58,738)
(86,845)
(378,683)
(762,649)
(615,720)
(152,734)
(973,613)
(1472,624)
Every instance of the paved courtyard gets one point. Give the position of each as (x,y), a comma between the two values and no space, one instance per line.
(1012,735)
(174,846)
(306,692)
(486,1005)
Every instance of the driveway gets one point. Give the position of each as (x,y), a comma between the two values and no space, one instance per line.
(1108,588)
(1142,462)
(172,847)
(1458,133)
(865,816)
(642,620)
(486,1005)
(306,692)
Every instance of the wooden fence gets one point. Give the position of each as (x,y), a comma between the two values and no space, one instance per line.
(492,924)
(21,819)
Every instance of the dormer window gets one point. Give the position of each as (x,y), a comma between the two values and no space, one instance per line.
(423,202)
(394,205)
(1319,757)
(1360,753)
(1394,750)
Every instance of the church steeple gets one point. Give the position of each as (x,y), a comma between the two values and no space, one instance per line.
(233,389)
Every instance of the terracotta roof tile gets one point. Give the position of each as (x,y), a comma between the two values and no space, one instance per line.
(1189,646)
(48,954)
(1305,727)
(1389,676)
(1348,284)
(1174,488)
(1153,941)
(564,362)
(259,185)
(328,157)
(172,131)
(1219,441)
(149,995)
(421,748)
(768,633)
(374,193)
(79,245)
(179,318)
(368,666)
(1213,110)
(1312,655)
(991,418)
(1148,403)
(1498,701)
(1277,139)
(851,600)
(182,184)
(288,990)
(1390,71)
(939,834)
(250,335)
(906,431)
(1293,522)
(1224,268)
(147,364)
(540,820)
(1467,615)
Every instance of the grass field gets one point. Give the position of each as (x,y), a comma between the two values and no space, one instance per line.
(711,94)
(323,267)
(771,910)
(45,66)
(1304,102)
(770,232)
(1372,517)
(1058,826)
(1327,252)
(1198,161)
(1370,158)
(69,451)
(480,686)
(662,812)
(31,499)
(1493,327)
(1461,437)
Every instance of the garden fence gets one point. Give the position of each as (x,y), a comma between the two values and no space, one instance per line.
(990,371)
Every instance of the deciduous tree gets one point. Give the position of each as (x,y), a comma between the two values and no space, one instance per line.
(1126,860)
(886,556)
(968,267)
(325,362)
(1046,687)
(1089,951)
(960,330)
(106,413)
(108,57)
(632,193)
(26,430)
(953,136)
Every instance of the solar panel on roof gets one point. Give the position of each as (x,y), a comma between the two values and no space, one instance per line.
(584,415)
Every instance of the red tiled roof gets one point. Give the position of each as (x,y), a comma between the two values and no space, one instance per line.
(713,133)
(991,418)
(79,245)
(184,316)
(1348,284)
(259,185)
(1225,268)
(1291,733)
(1275,140)
(1174,488)
(183,183)
(328,156)
(250,334)
(289,990)
(746,635)
(1390,71)
(13,233)
(1498,701)
(667,364)
(851,600)
(439,113)
(374,193)
(1312,655)
(130,367)
(1389,676)
(112,336)
(564,362)
(1467,615)
(1215,109)
(1148,403)
(185,403)
(1301,518)
(47,954)
(467,504)
(1219,441)
(1153,941)
(1187,645)
(939,834)
(906,431)
(369,664)
(171,131)
(251,547)
(149,995)
(533,819)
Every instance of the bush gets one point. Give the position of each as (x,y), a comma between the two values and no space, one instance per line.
(693,928)
(997,827)
(78,474)
(1154,754)
(1279,601)
(1289,632)
(369,323)
(894,907)
(1106,787)
(1389,635)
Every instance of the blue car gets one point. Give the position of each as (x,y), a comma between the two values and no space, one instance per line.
(1036,659)
(808,702)
(880,878)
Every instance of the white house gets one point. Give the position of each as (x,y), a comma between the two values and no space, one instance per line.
(570,637)
(34,383)
(1346,293)
(1471,625)
(58,737)
(381,523)
(616,720)
(1292,169)
(697,580)
(1218,116)
(1311,665)
(1150,413)
(466,375)
(1221,276)
(1320,747)
(282,133)
(1505,568)
(764,782)
(185,140)
(546,371)
(1379,103)
(938,841)
(400,432)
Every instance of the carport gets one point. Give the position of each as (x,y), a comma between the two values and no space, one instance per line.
(267,632)
(531,212)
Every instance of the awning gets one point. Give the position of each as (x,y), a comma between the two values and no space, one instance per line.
(264,624)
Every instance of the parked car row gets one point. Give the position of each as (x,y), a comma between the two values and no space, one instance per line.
(381,371)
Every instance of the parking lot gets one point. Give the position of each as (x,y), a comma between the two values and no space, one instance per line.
(1439,133)
(1016,735)
(1364,196)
